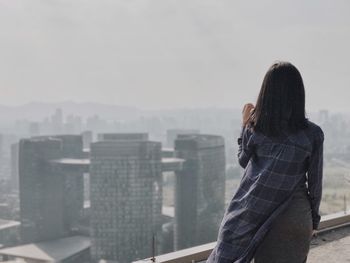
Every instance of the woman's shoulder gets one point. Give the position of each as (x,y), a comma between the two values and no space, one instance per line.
(314,130)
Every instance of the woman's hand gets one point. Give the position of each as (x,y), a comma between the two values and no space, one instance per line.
(314,232)
(246,113)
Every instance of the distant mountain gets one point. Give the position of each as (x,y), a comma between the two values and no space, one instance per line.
(37,111)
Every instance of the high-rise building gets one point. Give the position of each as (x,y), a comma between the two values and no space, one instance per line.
(2,163)
(172,134)
(72,148)
(6,140)
(51,197)
(34,129)
(122,137)
(1,146)
(126,198)
(200,189)
(14,165)
(87,139)
(57,121)
(41,190)
(72,145)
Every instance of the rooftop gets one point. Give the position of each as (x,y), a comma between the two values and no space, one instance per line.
(331,246)
(53,250)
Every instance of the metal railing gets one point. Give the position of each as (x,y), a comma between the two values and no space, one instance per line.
(202,252)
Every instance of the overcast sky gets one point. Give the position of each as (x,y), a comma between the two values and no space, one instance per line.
(171,53)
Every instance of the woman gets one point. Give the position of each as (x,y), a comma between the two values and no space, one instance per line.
(273,214)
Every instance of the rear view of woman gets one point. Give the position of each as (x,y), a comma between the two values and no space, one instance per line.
(275,210)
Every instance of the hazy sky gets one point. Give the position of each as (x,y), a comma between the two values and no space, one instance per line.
(171,53)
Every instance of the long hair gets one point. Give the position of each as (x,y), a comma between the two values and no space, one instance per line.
(281,101)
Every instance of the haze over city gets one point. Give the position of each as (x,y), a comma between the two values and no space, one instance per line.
(167,54)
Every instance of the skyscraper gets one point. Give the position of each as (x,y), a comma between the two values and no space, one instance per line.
(51,199)
(1,146)
(172,134)
(57,121)
(34,129)
(14,165)
(200,189)
(87,139)
(41,190)
(126,198)
(122,137)
(1,156)
(72,147)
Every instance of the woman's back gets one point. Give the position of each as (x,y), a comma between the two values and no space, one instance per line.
(279,164)
(280,150)
(275,167)
(299,153)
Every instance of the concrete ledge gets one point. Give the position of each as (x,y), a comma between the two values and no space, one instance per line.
(201,253)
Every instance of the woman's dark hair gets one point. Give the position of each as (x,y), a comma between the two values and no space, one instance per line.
(281,101)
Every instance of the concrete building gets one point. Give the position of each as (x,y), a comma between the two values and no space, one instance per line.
(73,188)
(88,138)
(72,147)
(51,192)
(14,166)
(6,140)
(6,211)
(122,137)
(34,129)
(200,189)
(126,198)
(57,121)
(9,232)
(2,159)
(1,146)
(172,134)
(41,190)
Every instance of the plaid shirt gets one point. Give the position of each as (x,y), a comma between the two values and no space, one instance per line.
(274,168)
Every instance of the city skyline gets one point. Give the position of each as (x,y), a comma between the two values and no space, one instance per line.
(39,111)
(200,175)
